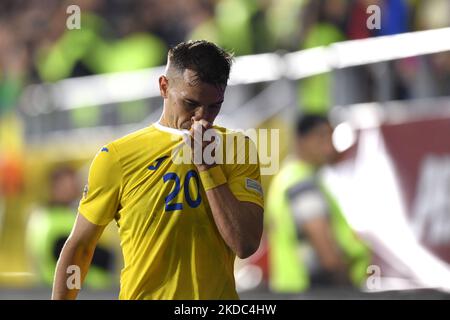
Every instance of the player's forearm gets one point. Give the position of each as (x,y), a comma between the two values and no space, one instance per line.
(331,259)
(74,258)
(240,227)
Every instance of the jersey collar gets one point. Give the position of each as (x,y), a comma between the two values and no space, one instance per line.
(160,127)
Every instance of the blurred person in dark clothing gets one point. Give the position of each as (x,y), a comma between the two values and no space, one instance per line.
(310,242)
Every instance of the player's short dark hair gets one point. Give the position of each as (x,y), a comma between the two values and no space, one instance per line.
(211,63)
(307,122)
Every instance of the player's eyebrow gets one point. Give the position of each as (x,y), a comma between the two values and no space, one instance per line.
(219,102)
(194,102)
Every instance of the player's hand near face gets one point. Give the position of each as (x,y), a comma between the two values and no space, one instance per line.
(240,223)
(198,143)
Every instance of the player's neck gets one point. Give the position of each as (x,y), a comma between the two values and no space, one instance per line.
(165,123)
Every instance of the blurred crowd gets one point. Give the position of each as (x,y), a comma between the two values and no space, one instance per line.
(36,45)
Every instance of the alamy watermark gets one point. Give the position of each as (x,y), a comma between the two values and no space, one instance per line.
(373,281)
(73,21)
(374,20)
(73,281)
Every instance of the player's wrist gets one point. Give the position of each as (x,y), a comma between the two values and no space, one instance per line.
(212,177)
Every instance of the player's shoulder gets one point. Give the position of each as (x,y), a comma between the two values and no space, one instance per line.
(240,144)
(133,136)
(133,141)
(232,133)
(237,138)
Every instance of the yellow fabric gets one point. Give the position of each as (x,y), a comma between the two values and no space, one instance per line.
(171,246)
(212,178)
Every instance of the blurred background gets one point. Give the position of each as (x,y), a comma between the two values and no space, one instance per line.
(65,91)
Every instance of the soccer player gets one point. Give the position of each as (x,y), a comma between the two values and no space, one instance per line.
(181,224)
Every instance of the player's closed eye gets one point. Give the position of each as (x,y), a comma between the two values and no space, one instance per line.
(190,104)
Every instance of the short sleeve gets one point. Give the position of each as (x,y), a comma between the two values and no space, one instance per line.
(244,177)
(101,196)
(307,202)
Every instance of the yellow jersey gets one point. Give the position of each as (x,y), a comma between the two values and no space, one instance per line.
(171,246)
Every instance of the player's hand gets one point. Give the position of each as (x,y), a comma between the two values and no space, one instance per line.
(202,160)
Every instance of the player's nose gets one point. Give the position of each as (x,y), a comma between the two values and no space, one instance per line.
(200,113)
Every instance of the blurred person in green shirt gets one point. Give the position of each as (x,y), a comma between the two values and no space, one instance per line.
(310,242)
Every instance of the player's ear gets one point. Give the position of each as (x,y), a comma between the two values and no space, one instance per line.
(163,86)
